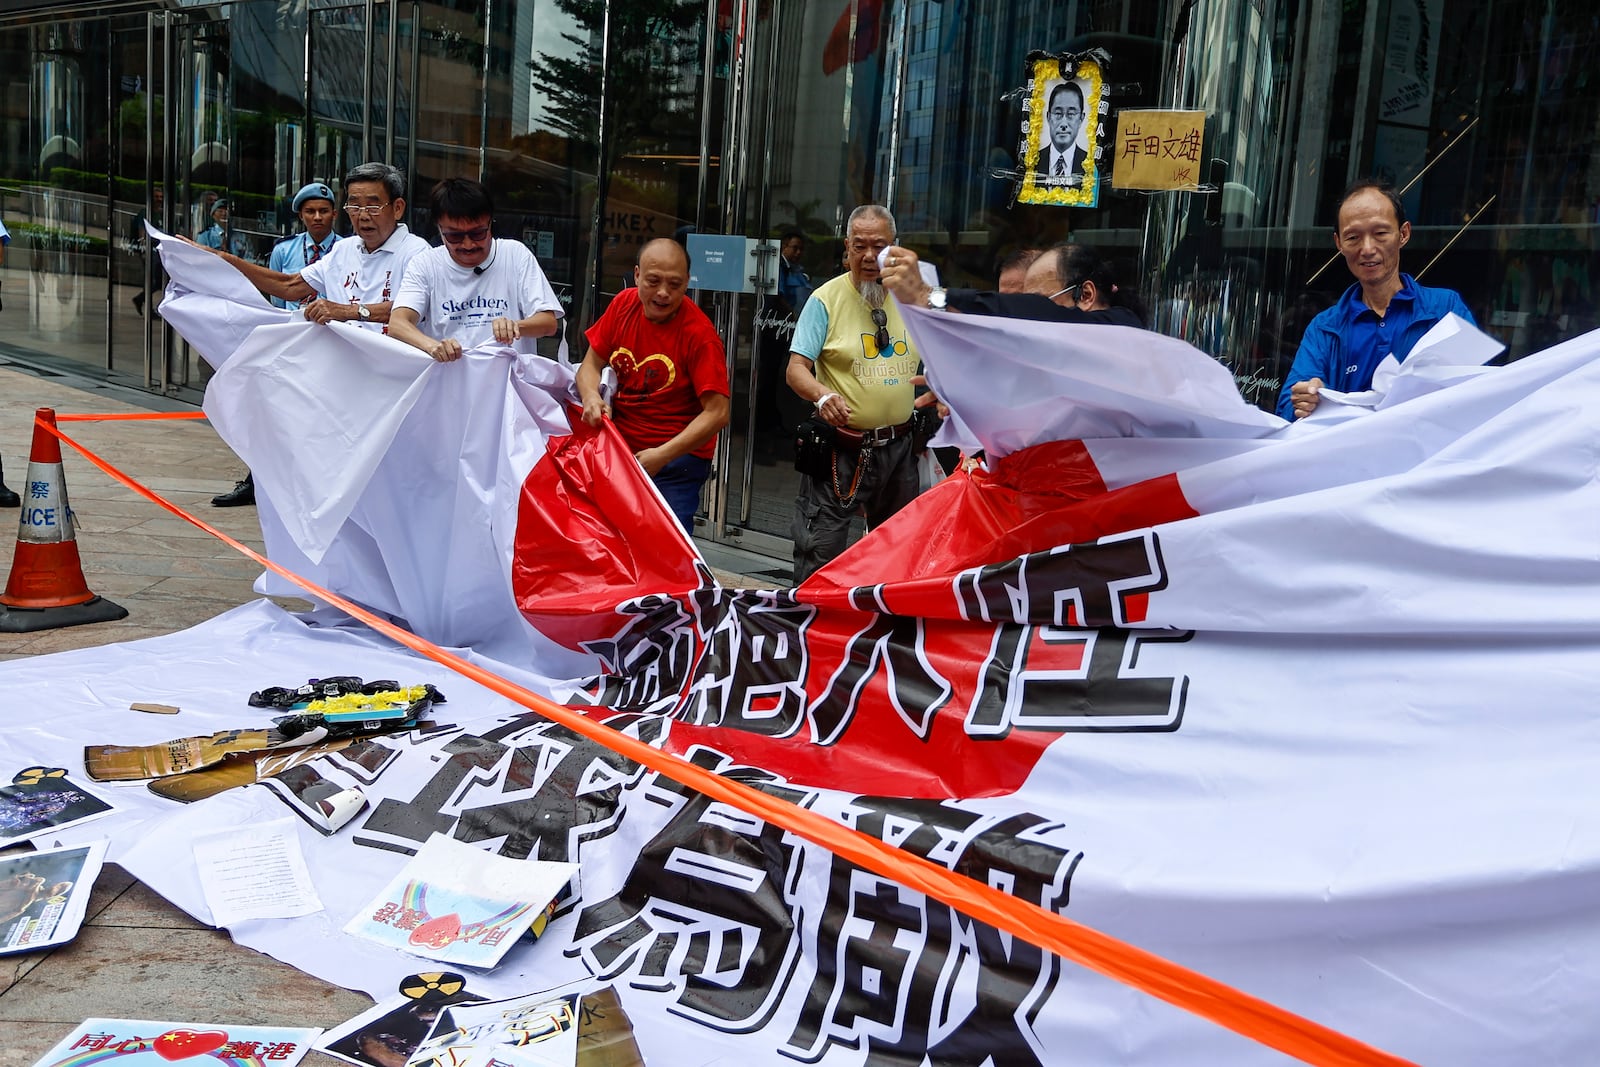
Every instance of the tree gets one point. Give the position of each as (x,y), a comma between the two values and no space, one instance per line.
(654,60)
(647,73)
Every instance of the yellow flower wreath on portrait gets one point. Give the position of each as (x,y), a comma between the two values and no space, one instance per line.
(1046,71)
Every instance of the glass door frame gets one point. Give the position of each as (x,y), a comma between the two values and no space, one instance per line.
(745,139)
(171,366)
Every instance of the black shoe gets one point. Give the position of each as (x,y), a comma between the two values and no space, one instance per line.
(8,497)
(242,493)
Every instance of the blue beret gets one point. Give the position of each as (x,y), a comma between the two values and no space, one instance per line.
(314,191)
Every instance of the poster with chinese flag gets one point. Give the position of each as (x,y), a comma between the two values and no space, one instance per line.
(134,1042)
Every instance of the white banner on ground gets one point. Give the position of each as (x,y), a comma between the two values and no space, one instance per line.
(1307,710)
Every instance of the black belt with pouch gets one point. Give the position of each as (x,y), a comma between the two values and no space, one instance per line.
(815,440)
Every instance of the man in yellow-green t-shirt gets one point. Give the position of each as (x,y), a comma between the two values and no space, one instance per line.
(852,361)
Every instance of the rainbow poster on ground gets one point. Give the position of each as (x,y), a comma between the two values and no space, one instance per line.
(458,904)
(146,1043)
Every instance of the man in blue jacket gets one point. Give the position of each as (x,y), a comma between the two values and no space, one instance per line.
(1385,313)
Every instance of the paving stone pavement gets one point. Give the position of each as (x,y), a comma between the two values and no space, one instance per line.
(138,956)
(167,573)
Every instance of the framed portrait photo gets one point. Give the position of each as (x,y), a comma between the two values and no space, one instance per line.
(1062,135)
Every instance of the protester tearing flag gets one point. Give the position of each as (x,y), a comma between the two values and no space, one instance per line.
(1305,709)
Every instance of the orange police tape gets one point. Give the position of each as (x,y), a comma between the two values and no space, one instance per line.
(131,416)
(1240,1012)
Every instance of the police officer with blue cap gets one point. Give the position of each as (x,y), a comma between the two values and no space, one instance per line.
(314,204)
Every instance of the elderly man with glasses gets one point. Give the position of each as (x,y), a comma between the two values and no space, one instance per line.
(852,361)
(361,276)
(476,288)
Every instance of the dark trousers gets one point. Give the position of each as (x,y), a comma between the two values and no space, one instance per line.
(822,515)
(680,482)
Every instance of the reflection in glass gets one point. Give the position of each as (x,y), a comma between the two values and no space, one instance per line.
(622,91)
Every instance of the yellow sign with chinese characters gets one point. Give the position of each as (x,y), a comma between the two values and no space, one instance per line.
(1158,149)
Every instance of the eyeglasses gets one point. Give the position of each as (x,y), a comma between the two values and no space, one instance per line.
(455,237)
(880,319)
(1059,292)
(368,210)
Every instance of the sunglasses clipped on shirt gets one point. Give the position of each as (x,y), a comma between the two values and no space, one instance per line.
(880,319)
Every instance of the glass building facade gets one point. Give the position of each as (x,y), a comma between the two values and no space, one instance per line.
(599,124)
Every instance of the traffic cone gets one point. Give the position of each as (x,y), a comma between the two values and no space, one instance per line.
(46,589)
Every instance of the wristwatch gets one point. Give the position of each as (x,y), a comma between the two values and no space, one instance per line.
(363,312)
(936,298)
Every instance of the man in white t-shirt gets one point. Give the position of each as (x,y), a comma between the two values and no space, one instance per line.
(476,288)
(359,276)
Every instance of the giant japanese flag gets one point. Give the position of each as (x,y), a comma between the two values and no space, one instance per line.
(1306,709)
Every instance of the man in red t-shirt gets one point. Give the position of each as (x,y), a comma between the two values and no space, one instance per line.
(672,376)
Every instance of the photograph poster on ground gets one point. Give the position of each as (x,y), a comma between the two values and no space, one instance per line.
(458,904)
(44,895)
(40,800)
(1061,137)
(389,1032)
(535,1030)
(144,1043)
